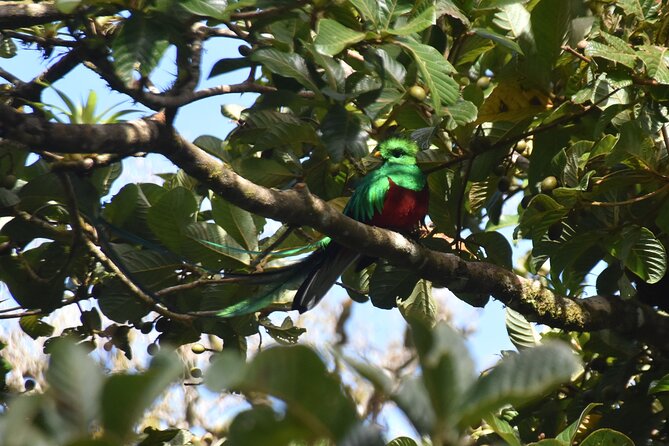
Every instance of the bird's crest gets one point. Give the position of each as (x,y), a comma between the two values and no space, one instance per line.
(398,148)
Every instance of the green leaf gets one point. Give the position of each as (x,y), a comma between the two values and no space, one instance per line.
(389,283)
(448,370)
(285,64)
(369,9)
(134,394)
(435,71)
(237,222)
(75,381)
(227,65)
(35,327)
(425,18)
(659,386)
(519,379)
(513,18)
(568,435)
(521,333)
(141,40)
(615,49)
(463,112)
(647,257)
(551,21)
(503,429)
(265,172)
(498,38)
(67,6)
(496,246)
(333,37)
(296,375)
(342,134)
(420,306)
(286,333)
(655,60)
(607,437)
(170,215)
(402,441)
(206,8)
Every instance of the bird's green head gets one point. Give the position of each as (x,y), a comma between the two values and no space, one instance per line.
(398,151)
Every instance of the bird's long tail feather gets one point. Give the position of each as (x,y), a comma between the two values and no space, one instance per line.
(325,267)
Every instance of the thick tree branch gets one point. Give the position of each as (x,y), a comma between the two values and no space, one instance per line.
(19,14)
(300,208)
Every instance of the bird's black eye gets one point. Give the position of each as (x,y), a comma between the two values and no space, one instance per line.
(396,153)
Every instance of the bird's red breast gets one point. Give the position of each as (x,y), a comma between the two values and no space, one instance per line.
(402,208)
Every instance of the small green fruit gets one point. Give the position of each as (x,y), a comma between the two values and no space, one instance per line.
(417,92)
(483,82)
(548,184)
(196,372)
(521,146)
(197,348)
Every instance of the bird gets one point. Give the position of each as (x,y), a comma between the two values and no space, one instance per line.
(395,196)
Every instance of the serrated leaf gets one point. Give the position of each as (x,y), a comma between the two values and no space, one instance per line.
(35,327)
(521,333)
(513,18)
(342,134)
(139,44)
(425,18)
(368,8)
(655,58)
(333,37)
(519,379)
(607,437)
(647,257)
(435,71)
(285,64)
(237,222)
(615,49)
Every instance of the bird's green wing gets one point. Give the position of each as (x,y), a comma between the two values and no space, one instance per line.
(369,196)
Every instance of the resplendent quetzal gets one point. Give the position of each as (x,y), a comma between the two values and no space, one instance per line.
(394,196)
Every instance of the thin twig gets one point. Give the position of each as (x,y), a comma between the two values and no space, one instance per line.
(575,53)
(634,200)
(267,251)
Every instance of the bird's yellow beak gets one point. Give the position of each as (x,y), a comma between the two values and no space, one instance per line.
(376,154)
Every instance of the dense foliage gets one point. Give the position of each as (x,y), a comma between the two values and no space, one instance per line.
(556,108)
